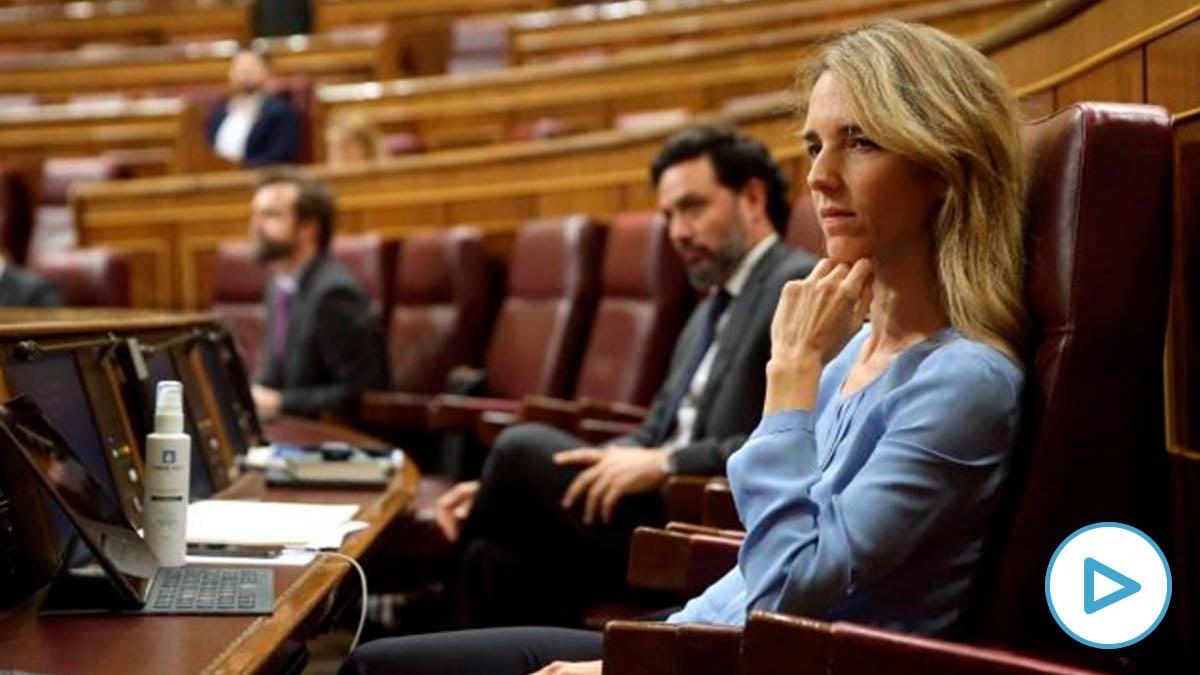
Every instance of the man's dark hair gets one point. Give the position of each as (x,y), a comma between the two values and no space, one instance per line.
(736,159)
(314,201)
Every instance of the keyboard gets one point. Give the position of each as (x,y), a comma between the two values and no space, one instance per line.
(211,590)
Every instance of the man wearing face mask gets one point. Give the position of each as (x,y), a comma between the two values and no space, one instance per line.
(546,530)
(254,127)
(323,346)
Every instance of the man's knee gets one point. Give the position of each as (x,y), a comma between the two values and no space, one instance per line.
(525,450)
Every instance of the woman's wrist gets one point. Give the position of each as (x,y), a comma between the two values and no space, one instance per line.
(792,384)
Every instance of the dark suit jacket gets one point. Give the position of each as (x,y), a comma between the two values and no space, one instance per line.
(21,288)
(275,136)
(334,343)
(731,404)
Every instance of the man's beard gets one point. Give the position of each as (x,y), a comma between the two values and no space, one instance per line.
(267,251)
(717,268)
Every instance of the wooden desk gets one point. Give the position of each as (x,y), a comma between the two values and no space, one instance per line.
(213,644)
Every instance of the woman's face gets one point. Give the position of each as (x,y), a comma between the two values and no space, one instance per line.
(870,202)
(343,149)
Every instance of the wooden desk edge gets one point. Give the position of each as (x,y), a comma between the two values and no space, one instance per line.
(262,637)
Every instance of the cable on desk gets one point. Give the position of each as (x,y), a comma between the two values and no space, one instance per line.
(362,576)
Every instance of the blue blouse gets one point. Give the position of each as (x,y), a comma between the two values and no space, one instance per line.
(874,506)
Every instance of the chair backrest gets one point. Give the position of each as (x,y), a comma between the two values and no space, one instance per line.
(1093,450)
(299,90)
(543,323)
(803,229)
(16,215)
(372,263)
(88,277)
(54,224)
(441,300)
(238,295)
(862,650)
(644,301)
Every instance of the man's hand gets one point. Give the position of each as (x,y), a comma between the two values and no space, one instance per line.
(453,508)
(577,668)
(267,401)
(612,473)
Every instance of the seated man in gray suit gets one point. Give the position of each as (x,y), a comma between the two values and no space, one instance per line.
(323,346)
(21,288)
(547,529)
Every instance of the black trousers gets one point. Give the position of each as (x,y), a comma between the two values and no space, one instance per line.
(496,651)
(522,558)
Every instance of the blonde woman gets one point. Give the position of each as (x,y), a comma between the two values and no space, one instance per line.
(869,486)
(352,139)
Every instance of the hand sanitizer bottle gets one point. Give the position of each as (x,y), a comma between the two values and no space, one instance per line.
(168,470)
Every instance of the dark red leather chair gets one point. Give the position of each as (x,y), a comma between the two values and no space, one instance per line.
(542,327)
(238,289)
(439,315)
(16,215)
(644,302)
(54,224)
(1098,287)
(88,277)
(299,90)
(372,262)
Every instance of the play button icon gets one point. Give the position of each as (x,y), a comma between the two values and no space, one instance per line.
(1125,586)
(1108,585)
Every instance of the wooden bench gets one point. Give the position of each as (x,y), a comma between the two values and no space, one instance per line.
(368,54)
(65,26)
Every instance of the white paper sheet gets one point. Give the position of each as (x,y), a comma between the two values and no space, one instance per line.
(249,523)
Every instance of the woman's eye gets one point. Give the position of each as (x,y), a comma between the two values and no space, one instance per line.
(862,143)
(813,150)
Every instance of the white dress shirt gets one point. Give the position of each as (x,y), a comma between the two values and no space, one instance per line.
(241,112)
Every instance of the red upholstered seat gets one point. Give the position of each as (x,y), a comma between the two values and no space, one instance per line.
(1100,243)
(54,224)
(372,262)
(237,297)
(88,277)
(440,301)
(543,323)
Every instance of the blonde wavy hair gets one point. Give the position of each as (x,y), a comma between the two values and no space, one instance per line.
(937,101)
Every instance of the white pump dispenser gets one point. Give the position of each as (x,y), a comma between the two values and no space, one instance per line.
(168,471)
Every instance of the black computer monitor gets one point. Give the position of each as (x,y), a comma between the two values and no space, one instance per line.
(55,381)
(232,395)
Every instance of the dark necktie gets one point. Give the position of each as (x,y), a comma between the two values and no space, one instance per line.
(708,333)
(282,311)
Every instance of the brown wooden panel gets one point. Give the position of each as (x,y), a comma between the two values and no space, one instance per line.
(1173,69)
(1116,80)
(1183,345)
(1038,105)
(1099,27)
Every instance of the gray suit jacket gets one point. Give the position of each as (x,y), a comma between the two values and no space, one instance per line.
(21,288)
(732,401)
(334,343)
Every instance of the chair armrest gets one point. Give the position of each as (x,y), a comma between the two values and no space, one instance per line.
(554,412)
(692,528)
(612,411)
(462,413)
(684,564)
(491,423)
(685,498)
(774,644)
(394,410)
(600,431)
(718,508)
(634,648)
